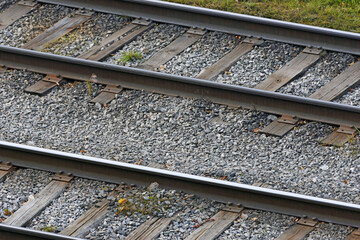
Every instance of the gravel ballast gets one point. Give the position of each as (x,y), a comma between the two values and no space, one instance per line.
(148,43)
(258,64)
(71,204)
(351,98)
(89,34)
(258,225)
(32,24)
(5,4)
(205,52)
(19,187)
(327,68)
(187,135)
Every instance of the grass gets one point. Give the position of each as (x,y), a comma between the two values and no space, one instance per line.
(49,229)
(130,56)
(336,14)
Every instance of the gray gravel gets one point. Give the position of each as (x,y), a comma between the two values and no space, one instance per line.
(195,212)
(205,52)
(148,43)
(32,24)
(89,34)
(5,4)
(258,225)
(18,187)
(259,63)
(329,231)
(72,203)
(187,135)
(318,75)
(156,202)
(351,98)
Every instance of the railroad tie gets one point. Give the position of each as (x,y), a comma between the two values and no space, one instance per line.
(299,230)
(45,85)
(33,207)
(280,126)
(92,217)
(334,89)
(229,59)
(151,229)
(340,136)
(173,49)
(355,235)
(339,85)
(59,29)
(107,94)
(111,44)
(291,70)
(15,11)
(217,224)
(5,170)
(117,40)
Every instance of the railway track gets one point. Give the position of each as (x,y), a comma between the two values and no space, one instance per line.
(290,109)
(95,64)
(310,210)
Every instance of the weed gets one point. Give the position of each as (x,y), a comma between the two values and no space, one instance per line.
(148,203)
(129,56)
(48,229)
(7,212)
(89,87)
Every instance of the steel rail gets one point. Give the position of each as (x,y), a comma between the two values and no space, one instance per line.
(132,78)
(20,233)
(215,20)
(219,190)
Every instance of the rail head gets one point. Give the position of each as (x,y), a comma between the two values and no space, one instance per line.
(20,233)
(294,33)
(132,78)
(219,190)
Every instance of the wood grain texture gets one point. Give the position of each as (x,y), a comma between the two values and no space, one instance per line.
(33,207)
(339,85)
(14,12)
(212,229)
(89,219)
(296,232)
(56,31)
(290,71)
(114,43)
(170,51)
(226,62)
(150,229)
(277,128)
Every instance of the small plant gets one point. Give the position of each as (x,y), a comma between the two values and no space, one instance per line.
(148,204)
(7,212)
(89,87)
(48,229)
(129,56)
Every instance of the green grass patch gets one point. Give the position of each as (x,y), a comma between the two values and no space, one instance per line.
(130,56)
(336,14)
